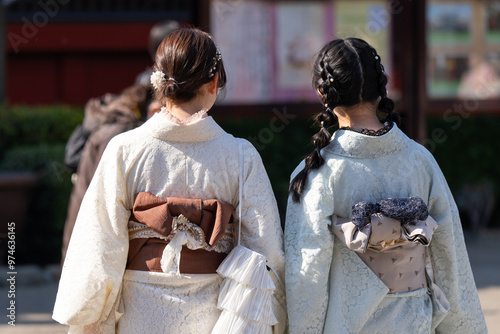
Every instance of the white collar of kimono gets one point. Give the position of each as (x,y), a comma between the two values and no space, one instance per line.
(205,129)
(354,144)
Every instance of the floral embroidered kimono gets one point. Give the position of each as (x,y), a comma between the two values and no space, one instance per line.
(143,177)
(331,289)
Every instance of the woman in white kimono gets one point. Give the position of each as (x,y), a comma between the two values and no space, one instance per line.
(156,221)
(362,211)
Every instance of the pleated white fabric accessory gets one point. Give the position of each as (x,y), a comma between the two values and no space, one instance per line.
(246,294)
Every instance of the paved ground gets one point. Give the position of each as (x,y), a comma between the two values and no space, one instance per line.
(36,289)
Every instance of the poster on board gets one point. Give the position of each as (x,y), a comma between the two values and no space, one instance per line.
(300,34)
(269,48)
(242,31)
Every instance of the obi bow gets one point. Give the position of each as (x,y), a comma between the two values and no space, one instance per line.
(211,215)
(196,223)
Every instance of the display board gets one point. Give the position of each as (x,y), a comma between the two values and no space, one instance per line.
(269,47)
(463,57)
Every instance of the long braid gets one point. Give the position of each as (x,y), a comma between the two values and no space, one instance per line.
(325,120)
(386,105)
(346,73)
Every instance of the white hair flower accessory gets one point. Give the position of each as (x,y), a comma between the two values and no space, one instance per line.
(158,79)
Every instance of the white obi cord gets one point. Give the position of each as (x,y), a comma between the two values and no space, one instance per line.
(186,233)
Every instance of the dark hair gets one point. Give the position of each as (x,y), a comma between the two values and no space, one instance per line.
(346,72)
(138,98)
(188,58)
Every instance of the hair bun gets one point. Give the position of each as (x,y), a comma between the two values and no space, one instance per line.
(171,86)
(190,59)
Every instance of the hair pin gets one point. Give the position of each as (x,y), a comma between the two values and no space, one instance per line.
(217,58)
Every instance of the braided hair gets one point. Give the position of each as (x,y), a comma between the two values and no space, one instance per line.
(346,72)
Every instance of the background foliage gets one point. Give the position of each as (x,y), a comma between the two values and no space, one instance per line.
(33,139)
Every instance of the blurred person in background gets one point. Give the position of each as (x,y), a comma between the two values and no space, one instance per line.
(156,36)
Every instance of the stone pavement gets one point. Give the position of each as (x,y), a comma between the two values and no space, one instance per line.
(484,250)
(36,289)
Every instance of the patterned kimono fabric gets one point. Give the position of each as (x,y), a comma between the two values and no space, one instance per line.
(370,270)
(156,222)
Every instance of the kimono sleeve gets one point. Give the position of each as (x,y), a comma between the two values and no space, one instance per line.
(308,251)
(97,253)
(261,226)
(451,267)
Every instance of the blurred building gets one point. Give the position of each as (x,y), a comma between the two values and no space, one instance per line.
(66,51)
(438,53)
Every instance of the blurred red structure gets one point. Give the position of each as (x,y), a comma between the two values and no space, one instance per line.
(70,62)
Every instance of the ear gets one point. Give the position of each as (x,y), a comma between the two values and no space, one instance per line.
(212,85)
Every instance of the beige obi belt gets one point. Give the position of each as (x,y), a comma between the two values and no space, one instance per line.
(179,235)
(393,250)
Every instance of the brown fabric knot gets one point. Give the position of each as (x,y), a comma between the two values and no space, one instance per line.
(211,215)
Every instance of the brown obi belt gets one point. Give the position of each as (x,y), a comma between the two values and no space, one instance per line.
(200,227)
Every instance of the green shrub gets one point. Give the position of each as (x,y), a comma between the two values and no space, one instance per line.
(281,150)
(468,155)
(22,125)
(33,139)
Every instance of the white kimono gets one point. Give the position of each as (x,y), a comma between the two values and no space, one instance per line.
(329,288)
(199,160)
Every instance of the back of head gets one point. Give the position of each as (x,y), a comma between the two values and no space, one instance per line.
(186,59)
(347,72)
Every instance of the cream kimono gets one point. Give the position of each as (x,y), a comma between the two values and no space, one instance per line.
(330,289)
(199,160)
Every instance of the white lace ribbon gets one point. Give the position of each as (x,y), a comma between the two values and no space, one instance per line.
(186,233)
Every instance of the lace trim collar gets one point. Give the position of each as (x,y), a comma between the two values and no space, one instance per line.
(369,132)
(161,126)
(190,120)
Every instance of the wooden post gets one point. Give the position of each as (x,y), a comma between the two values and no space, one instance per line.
(201,15)
(409,56)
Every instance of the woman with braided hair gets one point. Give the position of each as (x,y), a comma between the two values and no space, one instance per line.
(373,240)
